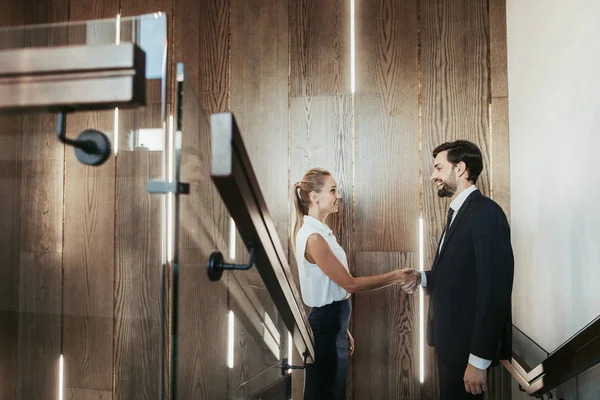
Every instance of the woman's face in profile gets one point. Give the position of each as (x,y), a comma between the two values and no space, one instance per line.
(329,197)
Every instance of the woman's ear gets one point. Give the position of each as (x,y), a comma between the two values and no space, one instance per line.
(314,197)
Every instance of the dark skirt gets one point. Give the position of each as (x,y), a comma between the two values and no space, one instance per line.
(325,379)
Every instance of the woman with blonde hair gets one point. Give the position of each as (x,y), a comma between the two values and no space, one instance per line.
(326,284)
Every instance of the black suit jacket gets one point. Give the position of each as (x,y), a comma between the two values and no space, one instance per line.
(470,284)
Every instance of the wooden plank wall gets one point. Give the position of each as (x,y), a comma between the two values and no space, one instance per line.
(253,368)
(258,90)
(10,167)
(427,71)
(41,246)
(386,323)
(32,184)
(386,112)
(499,142)
(137,333)
(214,59)
(41,239)
(88,268)
(138,271)
(321,112)
(386,195)
(201,42)
(319,48)
(10,216)
(500,379)
(203,305)
(259,97)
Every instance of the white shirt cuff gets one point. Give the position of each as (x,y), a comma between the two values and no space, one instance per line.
(479,362)
(423,279)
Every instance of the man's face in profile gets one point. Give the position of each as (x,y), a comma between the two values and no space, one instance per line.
(444,175)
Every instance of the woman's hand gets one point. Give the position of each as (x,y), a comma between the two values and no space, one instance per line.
(411,280)
(350,344)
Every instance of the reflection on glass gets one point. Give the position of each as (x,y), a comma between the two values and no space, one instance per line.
(86,313)
(231,338)
(290,348)
(150,139)
(526,349)
(262,382)
(153,30)
(271,335)
(232,237)
(61,369)
(243,338)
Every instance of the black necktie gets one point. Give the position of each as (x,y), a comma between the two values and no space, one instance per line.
(445,232)
(450,214)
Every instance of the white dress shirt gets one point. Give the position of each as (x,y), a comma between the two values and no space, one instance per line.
(317,288)
(456,204)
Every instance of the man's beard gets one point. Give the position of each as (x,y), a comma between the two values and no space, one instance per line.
(448,188)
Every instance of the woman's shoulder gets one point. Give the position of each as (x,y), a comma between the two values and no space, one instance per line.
(303,233)
(308,233)
(308,229)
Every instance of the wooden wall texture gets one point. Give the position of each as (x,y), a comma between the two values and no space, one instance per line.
(80,272)
(32,244)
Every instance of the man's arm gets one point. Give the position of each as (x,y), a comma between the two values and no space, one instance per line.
(423,278)
(494,266)
(427,281)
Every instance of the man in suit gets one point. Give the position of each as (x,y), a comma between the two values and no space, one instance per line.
(470,282)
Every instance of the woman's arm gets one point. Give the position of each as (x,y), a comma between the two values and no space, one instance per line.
(350,344)
(318,251)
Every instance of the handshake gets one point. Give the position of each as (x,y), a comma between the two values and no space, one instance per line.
(410,279)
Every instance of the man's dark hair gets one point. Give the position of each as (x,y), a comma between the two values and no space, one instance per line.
(464,151)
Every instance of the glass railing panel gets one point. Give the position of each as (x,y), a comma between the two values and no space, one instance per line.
(262,386)
(230,333)
(142,231)
(81,307)
(527,349)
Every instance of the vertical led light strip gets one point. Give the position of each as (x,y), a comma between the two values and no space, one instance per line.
(116,119)
(230,340)
(421,308)
(60,377)
(164,232)
(170,196)
(118,30)
(289,352)
(116,131)
(231,239)
(421,201)
(352,50)
(170,147)
(491,150)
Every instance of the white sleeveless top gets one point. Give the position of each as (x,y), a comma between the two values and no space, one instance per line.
(316,287)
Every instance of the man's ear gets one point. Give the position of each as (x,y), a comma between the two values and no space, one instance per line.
(462,169)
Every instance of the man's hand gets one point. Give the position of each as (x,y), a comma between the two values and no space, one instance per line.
(412,280)
(350,344)
(475,380)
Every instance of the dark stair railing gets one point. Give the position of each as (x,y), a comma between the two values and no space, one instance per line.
(234,178)
(578,354)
